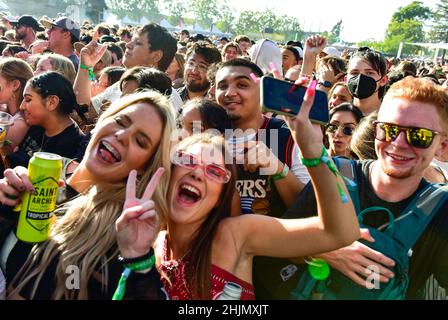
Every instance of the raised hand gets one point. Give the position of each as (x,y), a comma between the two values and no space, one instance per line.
(137,226)
(315,45)
(92,53)
(326,73)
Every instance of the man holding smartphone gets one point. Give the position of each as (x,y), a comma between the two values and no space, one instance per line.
(270,175)
(410,131)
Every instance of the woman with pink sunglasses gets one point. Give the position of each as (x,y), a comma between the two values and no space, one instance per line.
(202,247)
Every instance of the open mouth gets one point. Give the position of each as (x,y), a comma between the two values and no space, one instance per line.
(188,194)
(108,153)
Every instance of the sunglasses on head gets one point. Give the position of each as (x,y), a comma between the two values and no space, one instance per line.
(346,130)
(417,137)
(191,162)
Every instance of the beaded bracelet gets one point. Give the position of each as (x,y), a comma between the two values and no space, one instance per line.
(324,158)
(136,266)
(90,70)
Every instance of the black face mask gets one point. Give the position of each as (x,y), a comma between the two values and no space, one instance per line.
(362,86)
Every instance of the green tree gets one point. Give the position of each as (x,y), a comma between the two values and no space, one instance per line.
(268,20)
(406,25)
(135,9)
(227,19)
(335,33)
(414,11)
(439,28)
(205,11)
(290,27)
(176,9)
(248,21)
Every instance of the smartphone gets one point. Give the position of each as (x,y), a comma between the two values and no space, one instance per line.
(282,98)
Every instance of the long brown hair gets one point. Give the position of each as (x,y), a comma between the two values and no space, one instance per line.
(199,272)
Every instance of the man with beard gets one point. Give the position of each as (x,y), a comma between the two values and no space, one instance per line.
(199,57)
(410,131)
(26,28)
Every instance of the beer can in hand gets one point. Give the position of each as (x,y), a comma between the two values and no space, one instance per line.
(36,214)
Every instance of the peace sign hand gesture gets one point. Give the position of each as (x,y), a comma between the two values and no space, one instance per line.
(138,223)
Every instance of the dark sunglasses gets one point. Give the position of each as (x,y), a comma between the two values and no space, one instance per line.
(213,171)
(346,130)
(416,137)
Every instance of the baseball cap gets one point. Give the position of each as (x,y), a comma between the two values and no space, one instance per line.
(29,21)
(332,51)
(64,23)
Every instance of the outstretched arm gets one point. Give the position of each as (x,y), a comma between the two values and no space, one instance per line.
(90,55)
(335,227)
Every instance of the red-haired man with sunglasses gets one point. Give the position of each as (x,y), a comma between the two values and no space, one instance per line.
(410,131)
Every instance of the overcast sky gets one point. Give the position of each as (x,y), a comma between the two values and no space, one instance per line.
(361,19)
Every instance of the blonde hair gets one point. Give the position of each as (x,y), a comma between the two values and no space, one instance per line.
(16,69)
(85,236)
(63,65)
(416,89)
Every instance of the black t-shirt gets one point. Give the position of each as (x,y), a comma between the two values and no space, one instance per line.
(430,253)
(65,144)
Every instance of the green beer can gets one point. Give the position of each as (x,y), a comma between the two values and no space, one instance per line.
(36,213)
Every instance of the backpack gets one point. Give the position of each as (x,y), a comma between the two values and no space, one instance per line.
(392,239)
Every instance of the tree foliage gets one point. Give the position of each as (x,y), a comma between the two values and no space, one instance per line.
(135,9)
(205,11)
(439,29)
(177,9)
(406,25)
(334,36)
(414,11)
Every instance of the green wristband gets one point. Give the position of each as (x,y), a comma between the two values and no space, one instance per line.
(281,175)
(325,159)
(90,70)
(137,266)
(313,162)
